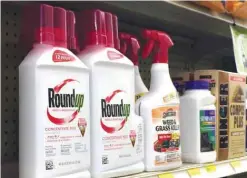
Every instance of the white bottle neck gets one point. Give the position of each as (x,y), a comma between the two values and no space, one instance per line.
(160,77)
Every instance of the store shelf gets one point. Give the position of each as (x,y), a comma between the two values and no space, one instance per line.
(215,170)
(184,14)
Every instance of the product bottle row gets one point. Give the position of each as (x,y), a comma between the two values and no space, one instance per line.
(89,113)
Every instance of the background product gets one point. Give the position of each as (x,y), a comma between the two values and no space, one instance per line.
(130,47)
(53,102)
(229,90)
(159,107)
(197,123)
(239,39)
(237,8)
(117,133)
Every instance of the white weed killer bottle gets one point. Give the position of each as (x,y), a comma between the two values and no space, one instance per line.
(53,102)
(197,123)
(159,108)
(130,47)
(116,132)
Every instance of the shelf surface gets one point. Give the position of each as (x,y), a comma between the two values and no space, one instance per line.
(185,14)
(216,170)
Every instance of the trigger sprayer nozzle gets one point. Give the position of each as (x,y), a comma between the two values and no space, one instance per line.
(158,42)
(129,46)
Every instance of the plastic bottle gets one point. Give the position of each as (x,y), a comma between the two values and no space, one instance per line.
(116,132)
(197,123)
(130,47)
(53,102)
(159,108)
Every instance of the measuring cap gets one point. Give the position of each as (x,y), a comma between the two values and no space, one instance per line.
(60,27)
(37,20)
(115,32)
(157,42)
(71,38)
(93,27)
(109,29)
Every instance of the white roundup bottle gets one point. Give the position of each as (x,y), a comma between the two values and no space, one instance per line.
(197,123)
(53,103)
(116,132)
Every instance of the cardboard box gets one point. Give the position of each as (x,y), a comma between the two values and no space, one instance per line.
(179,80)
(229,90)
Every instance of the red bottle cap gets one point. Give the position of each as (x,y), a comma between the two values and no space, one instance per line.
(93,27)
(115,32)
(159,42)
(129,46)
(109,29)
(71,37)
(60,27)
(37,20)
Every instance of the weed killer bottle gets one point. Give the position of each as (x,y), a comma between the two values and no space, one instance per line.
(116,132)
(159,108)
(130,46)
(53,102)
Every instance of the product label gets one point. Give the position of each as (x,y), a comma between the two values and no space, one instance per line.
(120,137)
(139,95)
(61,56)
(237,117)
(166,136)
(66,125)
(207,130)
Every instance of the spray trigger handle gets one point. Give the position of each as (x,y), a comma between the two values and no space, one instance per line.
(157,42)
(129,46)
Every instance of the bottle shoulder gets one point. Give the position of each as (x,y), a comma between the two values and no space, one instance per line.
(53,57)
(92,56)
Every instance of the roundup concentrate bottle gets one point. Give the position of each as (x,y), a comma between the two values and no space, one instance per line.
(116,132)
(130,46)
(159,108)
(53,102)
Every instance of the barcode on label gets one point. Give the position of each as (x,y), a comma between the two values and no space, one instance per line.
(49,165)
(105,160)
(161,158)
(172,156)
(157,158)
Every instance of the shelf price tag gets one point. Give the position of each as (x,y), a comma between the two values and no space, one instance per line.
(165,175)
(236,165)
(210,168)
(194,172)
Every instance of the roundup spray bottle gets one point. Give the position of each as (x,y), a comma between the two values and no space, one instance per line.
(159,108)
(130,47)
